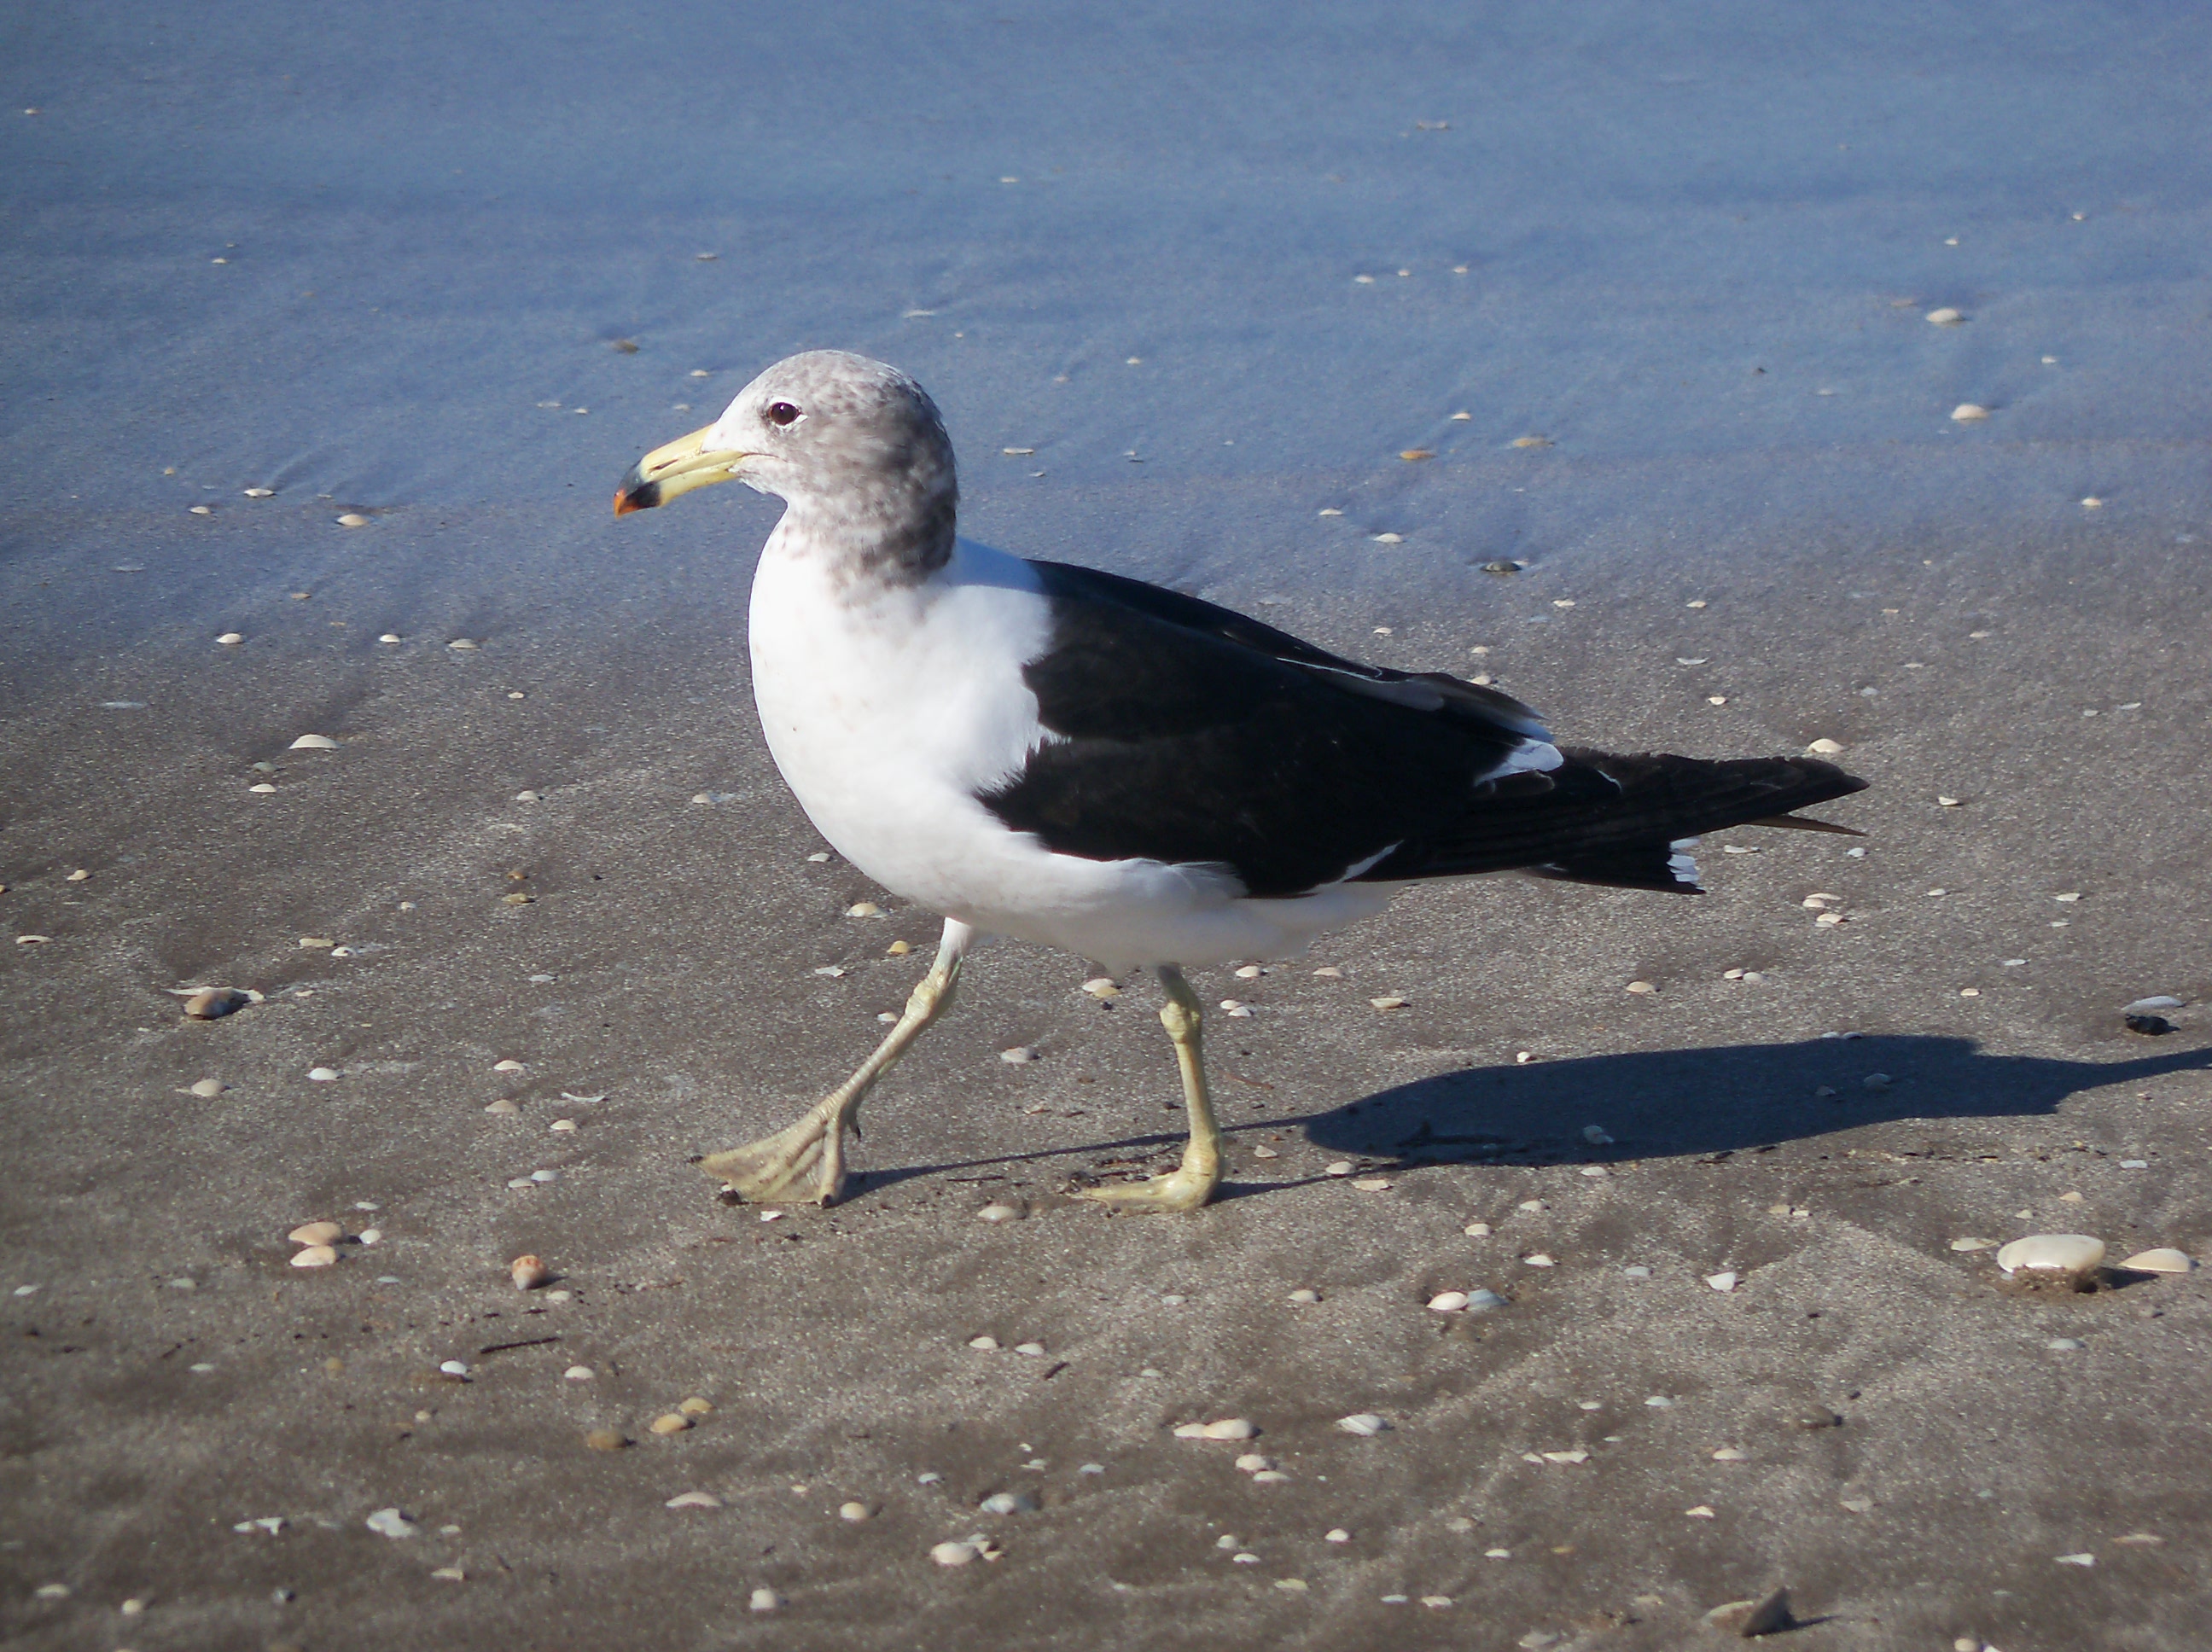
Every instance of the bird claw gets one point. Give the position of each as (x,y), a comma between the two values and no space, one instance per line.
(802,1163)
(1185,1189)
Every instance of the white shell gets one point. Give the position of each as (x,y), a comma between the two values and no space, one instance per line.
(2161,1260)
(315,1256)
(314,742)
(1969,413)
(316,1233)
(1364,1423)
(2063,1252)
(1448,1302)
(954,1554)
(694,1500)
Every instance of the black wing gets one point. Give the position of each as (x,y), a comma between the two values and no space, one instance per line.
(1190,733)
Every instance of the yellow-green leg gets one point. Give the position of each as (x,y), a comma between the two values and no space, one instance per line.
(805,1159)
(1192,1184)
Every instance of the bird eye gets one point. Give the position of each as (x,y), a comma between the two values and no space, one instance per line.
(782,413)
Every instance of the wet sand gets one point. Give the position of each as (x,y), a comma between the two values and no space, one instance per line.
(1915,1455)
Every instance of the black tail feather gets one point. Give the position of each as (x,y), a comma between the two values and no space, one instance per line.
(1600,817)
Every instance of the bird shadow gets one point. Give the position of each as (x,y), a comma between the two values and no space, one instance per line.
(1645,1104)
(1693,1103)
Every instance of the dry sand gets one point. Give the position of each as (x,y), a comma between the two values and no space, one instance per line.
(1915,1454)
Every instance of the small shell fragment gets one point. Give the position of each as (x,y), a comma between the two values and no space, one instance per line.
(207,1088)
(323,1075)
(1946,317)
(528,1272)
(1388,1003)
(213,1003)
(764,1599)
(1724,1280)
(693,1500)
(2164,1259)
(231,639)
(314,742)
(2065,1253)
(1008,1502)
(353,519)
(1366,1423)
(1973,1244)
(510,1065)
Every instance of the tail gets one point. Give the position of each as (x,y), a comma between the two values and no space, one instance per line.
(1618,821)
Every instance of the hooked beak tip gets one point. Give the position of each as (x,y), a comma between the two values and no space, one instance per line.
(636,496)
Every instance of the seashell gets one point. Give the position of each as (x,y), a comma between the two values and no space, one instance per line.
(954,1554)
(1366,1423)
(389,636)
(2065,1253)
(464,644)
(1008,1502)
(1973,1244)
(528,1272)
(353,519)
(1229,1428)
(260,493)
(315,1256)
(314,742)
(670,1422)
(1253,1463)
(855,1512)
(693,1500)
(1388,1003)
(316,1233)
(2161,1260)
(999,1214)
(1969,413)
(984,1345)
(510,1065)
(390,1523)
(369,1235)
(323,1075)
(231,639)
(207,1087)
(1449,1301)
(1825,747)
(503,1106)
(1724,1280)
(695,1407)
(578,1374)
(213,1003)
(1946,317)
(606,1439)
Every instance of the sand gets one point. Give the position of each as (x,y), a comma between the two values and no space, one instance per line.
(1676,241)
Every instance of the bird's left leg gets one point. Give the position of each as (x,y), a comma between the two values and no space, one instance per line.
(1189,1186)
(806,1160)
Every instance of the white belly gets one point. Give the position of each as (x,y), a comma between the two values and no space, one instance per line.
(887,717)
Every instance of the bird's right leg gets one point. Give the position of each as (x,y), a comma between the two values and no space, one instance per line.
(805,1159)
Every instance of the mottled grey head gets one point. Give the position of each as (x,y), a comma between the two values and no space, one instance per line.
(857,448)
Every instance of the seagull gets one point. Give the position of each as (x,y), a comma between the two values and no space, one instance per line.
(1070,758)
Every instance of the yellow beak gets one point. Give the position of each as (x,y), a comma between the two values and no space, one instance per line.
(677,468)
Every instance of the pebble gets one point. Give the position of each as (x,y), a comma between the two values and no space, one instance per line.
(578,1374)
(1366,1423)
(528,1272)
(323,1075)
(209,1087)
(1969,413)
(2047,1252)
(764,1601)
(353,519)
(314,742)
(999,1214)
(1373,1184)
(390,1523)
(855,1512)
(606,1439)
(2161,1260)
(1724,1280)
(693,1500)
(315,1256)
(1265,1152)
(2065,1344)
(316,1233)
(213,1003)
